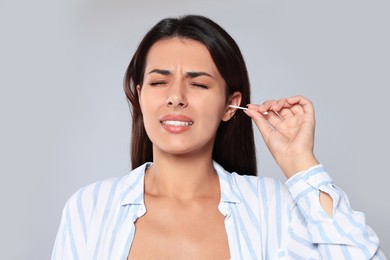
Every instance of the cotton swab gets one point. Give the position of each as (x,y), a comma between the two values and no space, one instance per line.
(232,106)
(244,108)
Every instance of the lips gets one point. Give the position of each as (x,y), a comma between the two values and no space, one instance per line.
(176,123)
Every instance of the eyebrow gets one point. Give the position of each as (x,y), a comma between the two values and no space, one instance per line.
(162,72)
(190,74)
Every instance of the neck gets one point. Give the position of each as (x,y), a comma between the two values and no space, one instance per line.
(182,177)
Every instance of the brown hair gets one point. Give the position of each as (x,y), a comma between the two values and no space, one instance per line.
(234,146)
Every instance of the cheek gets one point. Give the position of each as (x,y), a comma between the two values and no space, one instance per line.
(148,100)
(148,113)
(148,110)
(151,125)
(213,112)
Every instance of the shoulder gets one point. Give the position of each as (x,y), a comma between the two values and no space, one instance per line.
(99,194)
(265,188)
(253,189)
(88,197)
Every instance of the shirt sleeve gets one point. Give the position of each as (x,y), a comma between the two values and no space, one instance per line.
(345,235)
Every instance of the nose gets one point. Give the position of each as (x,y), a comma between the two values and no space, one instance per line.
(176,96)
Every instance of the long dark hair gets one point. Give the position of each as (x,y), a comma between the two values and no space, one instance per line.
(234,146)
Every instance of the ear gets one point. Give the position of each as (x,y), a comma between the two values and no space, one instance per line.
(234,99)
(139,96)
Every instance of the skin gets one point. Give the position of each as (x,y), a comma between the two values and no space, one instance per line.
(182,187)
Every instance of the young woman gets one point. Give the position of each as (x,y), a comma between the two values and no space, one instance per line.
(193,193)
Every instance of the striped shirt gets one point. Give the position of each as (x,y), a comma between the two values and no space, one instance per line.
(264,219)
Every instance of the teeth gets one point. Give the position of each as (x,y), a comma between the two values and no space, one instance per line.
(177,123)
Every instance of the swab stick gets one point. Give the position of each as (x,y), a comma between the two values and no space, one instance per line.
(244,108)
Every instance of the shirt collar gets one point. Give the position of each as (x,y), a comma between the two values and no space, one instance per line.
(229,190)
(133,190)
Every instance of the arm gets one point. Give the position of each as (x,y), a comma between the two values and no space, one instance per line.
(288,132)
(345,235)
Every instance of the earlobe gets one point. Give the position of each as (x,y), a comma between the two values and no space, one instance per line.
(234,99)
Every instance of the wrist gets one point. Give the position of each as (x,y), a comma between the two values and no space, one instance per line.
(297,164)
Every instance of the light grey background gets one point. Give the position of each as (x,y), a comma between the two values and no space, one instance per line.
(65,122)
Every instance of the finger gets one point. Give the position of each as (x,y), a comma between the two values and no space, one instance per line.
(297,109)
(286,113)
(262,108)
(279,110)
(261,122)
(280,104)
(306,104)
(272,107)
(274,118)
(294,108)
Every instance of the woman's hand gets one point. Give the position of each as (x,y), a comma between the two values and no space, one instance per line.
(288,131)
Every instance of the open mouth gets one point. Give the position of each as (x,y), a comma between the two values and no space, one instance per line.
(177,123)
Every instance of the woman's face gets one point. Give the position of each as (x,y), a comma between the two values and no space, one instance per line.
(183,97)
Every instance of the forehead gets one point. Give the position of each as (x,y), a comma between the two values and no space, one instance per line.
(182,53)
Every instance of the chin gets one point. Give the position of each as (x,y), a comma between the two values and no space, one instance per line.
(183,149)
(177,151)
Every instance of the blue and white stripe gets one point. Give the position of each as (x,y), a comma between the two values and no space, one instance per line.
(264,219)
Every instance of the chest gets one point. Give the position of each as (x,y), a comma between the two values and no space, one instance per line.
(132,232)
(194,231)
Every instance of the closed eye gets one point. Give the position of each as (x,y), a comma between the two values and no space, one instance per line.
(199,85)
(156,83)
